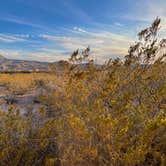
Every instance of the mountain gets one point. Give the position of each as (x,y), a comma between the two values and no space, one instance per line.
(13,65)
(2,58)
(22,65)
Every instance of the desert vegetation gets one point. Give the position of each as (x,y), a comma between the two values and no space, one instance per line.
(90,115)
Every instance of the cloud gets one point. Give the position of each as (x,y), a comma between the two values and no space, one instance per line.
(5,38)
(17,20)
(10,53)
(143,12)
(118,24)
(79,30)
(45,55)
(103,43)
(25,22)
(76,11)
(146,10)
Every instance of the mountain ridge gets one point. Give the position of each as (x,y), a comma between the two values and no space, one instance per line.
(22,65)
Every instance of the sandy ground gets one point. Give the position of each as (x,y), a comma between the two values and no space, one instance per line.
(23,101)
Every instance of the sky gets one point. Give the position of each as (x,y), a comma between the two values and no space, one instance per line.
(50,30)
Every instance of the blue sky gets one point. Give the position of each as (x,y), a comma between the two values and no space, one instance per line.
(49,30)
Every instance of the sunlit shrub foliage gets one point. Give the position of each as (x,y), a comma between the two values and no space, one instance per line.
(102,115)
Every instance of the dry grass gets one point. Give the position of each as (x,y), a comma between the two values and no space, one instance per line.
(25,81)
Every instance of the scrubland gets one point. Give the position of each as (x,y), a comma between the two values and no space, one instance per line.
(89,115)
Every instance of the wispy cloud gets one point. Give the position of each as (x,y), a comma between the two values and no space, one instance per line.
(76,11)
(118,24)
(146,10)
(25,22)
(13,54)
(103,43)
(17,20)
(79,30)
(12,38)
(45,56)
(67,25)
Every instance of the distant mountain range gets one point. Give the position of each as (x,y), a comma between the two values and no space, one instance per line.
(13,65)
(21,65)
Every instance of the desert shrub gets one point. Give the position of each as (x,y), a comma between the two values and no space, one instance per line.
(110,115)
